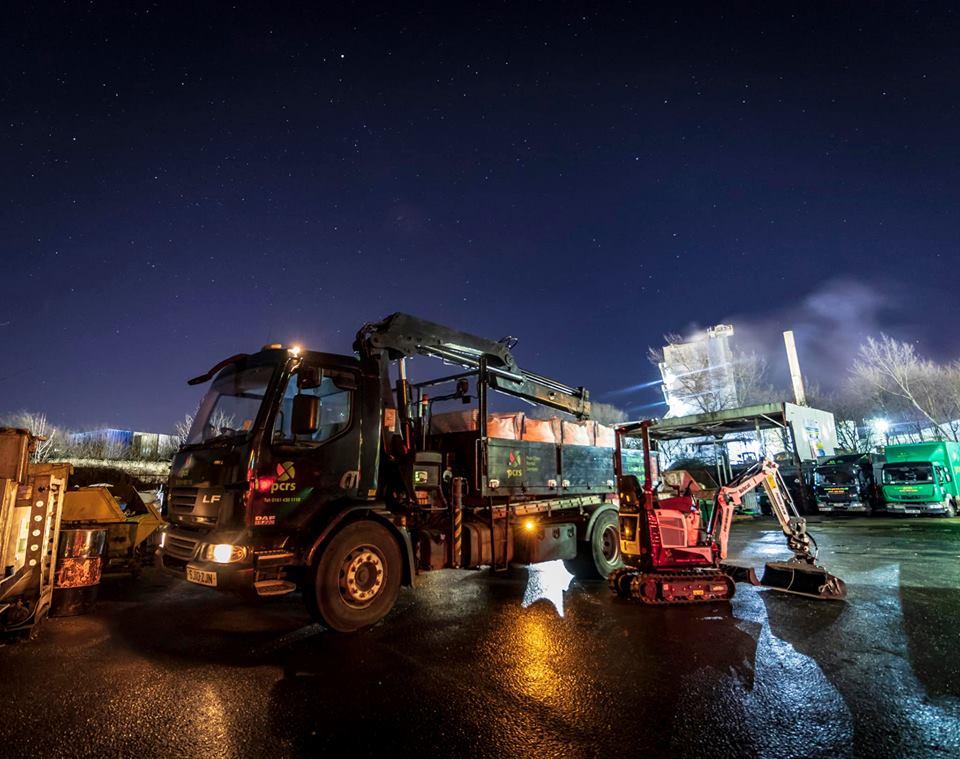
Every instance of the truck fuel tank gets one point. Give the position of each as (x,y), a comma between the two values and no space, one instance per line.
(545,542)
(477,546)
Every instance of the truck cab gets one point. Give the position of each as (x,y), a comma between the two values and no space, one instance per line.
(257,466)
(921,478)
(847,483)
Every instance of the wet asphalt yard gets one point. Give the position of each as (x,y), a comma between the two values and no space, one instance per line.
(472,664)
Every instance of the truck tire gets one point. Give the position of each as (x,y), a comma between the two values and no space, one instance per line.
(600,555)
(356,578)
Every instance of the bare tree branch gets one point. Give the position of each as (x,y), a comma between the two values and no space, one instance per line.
(913,388)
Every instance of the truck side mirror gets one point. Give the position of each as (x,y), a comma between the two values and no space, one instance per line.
(305,419)
(308,377)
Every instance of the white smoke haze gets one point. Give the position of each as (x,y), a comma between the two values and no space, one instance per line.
(829,325)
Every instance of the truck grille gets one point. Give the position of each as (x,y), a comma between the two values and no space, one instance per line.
(183,499)
(180,547)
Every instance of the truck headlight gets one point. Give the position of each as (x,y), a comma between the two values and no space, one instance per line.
(224,553)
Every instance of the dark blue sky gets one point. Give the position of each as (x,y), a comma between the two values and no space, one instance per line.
(185,181)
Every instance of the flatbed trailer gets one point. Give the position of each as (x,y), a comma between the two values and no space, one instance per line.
(319,472)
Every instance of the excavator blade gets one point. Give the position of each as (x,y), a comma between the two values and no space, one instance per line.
(803,579)
(740,573)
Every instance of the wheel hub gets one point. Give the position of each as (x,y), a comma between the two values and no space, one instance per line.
(361,576)
(610,543)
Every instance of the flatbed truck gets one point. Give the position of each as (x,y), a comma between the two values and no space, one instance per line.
(323,473)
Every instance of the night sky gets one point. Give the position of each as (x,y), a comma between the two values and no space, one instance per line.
(182,182)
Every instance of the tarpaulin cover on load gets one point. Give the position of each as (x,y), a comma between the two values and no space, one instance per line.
(541,430)
(454,421)
(577,433)
(515,425)
(606,436)
(500,425)
(505,426)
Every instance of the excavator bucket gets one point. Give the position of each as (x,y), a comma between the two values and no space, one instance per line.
(803,579)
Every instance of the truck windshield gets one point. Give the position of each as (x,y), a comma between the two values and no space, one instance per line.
(835,476)
(230,406)
(907,474)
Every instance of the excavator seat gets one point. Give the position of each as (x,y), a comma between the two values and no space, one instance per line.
(631,492)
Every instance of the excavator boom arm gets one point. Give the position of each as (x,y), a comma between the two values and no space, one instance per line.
(730,496)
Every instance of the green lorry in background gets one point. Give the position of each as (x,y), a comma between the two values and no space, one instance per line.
(922,478)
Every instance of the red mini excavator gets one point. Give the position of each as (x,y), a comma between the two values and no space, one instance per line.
(672,555)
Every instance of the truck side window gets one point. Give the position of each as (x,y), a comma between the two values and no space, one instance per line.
(335,406)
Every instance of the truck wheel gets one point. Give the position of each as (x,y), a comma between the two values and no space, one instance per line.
(356,579)
(599,556)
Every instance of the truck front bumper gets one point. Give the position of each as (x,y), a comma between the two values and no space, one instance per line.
(931,509)
(842,507)
(262,571)
(239,577)
(181,556)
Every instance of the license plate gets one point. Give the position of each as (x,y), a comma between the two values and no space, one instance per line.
(200,577)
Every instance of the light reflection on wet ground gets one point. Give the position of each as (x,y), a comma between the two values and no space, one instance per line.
(518,665)
(548,581)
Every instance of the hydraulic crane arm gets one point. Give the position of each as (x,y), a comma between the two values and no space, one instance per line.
(401,335)
(730,496)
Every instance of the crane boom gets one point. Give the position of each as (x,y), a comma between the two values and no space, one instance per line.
(402,335)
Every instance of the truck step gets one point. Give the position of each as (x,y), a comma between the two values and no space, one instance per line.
(274,587)
(271,559)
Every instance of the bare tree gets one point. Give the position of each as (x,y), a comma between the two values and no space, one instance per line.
(912,388)
(181,430)
(853,406)
(951,386)
(750,372)
(219,420)
(695,379)
(698,380)
(37,424)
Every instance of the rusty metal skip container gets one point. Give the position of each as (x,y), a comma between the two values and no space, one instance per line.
(79,566)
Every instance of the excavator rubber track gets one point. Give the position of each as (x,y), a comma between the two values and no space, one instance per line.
(673,587)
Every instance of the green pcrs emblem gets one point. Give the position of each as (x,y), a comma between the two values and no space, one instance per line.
(514,464)
(285,478)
